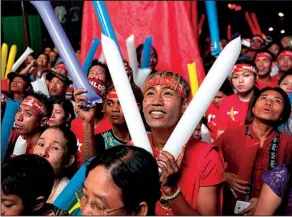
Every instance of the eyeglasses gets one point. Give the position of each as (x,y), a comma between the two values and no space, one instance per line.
(94,206)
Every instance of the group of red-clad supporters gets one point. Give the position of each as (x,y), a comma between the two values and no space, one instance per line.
(239,154)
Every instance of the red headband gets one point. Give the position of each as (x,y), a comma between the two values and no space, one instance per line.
(264,54)
(98,86)
(258,38)
(35,104)
(167,81)
(285,53)
(112,94)
(243,67)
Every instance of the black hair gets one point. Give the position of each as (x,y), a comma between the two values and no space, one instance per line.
(286,111)
(135,172)
(284,76)
(28,176)
(245,61)
(28,89)
(68,109)
(45,100)
(226,88)
(265,51)
(71,146)
(106,70)
(139,51)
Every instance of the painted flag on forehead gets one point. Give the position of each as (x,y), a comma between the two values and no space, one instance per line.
(171,23)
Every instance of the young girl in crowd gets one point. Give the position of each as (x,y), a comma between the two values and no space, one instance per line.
(59,146)
(233,109)
(63,113)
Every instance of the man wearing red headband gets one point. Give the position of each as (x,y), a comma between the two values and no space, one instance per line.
(233,109)
(284,60)
(191,185)
(30,121)
(256,43)
(263,61)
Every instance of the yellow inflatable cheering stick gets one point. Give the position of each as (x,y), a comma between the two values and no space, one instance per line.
(4,59)
(11,59)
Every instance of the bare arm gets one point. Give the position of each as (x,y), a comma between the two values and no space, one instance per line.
(268,202)
(27,68)
(207,202)
(89,144)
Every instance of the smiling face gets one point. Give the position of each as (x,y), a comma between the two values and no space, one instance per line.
(263,65)
(11,205)
(269,106)
(100,193)
(162,107)
(243,81)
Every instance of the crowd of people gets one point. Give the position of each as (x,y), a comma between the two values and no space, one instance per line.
(240,153)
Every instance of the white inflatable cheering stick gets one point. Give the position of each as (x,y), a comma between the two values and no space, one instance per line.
(125,93)
(205,94)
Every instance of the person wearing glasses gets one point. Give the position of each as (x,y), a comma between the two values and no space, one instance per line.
(124,180)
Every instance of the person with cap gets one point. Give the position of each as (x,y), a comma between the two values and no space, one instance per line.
(30,121)
(263,61)
(19,85)
(284,60)
(233,109)
(58,84)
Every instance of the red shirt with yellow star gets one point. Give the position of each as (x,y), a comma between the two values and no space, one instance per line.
(211,115)
(232,113)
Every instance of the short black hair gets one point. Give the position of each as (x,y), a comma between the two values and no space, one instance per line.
(245,61)
(45,100)
(139,51)
(286,111)
(106,69)
(68,109)
(135,171)
(28,176)
(284,76)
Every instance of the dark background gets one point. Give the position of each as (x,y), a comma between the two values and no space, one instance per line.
(266,11)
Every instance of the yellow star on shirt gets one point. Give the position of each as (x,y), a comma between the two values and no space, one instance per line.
(232,113)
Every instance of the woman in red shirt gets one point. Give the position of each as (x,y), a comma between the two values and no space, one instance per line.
(233,108)
(251,150)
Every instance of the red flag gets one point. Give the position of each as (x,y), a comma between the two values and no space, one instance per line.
(171,23)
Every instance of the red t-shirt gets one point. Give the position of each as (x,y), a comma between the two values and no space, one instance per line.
(273,83)
(242,152)
(232,113)
(5,85)
(77,128)
(211,115)
(202,166)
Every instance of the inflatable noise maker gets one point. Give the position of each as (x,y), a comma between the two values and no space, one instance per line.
(4,51)
(90,55)
(139,75)
(203,97)
(21,59)
(11,59)
(213,26)
(7,124)
(66,51)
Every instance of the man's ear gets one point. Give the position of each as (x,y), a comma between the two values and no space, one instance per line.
(185,104)
(44,121)
(142,209)
(70,161)
(39,203)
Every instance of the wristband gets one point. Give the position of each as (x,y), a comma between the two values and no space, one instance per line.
(172,196)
